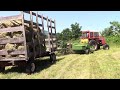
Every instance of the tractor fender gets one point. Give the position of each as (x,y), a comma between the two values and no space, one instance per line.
(103,41)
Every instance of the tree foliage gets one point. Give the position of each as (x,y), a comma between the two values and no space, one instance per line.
(113,30)
(112,33)
(66,34)
(76,30)
(70,33)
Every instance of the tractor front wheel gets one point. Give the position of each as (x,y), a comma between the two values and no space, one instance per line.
(106,47)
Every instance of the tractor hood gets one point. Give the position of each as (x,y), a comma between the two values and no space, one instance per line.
(84,41)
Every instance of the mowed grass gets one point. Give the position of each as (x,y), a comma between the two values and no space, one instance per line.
(102,64)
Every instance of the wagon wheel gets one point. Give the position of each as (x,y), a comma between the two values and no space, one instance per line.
(30,68)
(53,58)
(2,69)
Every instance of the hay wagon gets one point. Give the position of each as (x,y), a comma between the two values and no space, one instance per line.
(22,40)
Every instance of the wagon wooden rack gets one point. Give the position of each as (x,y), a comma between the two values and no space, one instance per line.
(36,43)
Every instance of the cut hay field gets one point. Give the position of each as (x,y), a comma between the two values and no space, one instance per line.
(102,64)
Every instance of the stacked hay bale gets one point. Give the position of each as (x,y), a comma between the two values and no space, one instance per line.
(10,47)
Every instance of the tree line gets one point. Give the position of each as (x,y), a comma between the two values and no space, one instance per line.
(111,33)
(74,32)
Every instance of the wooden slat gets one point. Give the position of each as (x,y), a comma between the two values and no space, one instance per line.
(45,18)
(26,21)
(28,12)
(52,21)
(47,46)
(43,29)
(54,36)
(12,29)
(52,33)
(13,59)
(52,27)
(11,40)
(51,45)
(17,52)
(54,42)
(48,43)
(48,35)
(34,14)
(31,21)
(55,32)
(38,31)
(10,18)
(50,39)
(39,16)
(24,36)
(3,52)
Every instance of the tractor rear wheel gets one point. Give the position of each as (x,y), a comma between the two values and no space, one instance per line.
(106,47)
(93,44)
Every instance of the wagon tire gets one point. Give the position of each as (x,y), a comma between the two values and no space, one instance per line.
(53,58)
(30,68)
(2,69)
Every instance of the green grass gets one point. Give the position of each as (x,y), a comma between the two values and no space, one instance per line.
(102,64)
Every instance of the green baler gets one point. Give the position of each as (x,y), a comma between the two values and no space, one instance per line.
(82,46)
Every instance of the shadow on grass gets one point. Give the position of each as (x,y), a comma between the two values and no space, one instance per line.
(83,52)
(43,64)
(40,65)
(79,52)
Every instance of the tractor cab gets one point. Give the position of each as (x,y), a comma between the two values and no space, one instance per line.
(89,35)
(84,39)
(85,35)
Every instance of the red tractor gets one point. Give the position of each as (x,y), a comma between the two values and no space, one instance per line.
(94,39)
